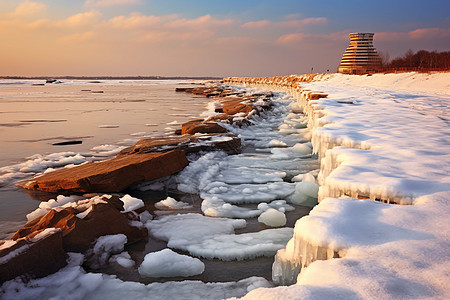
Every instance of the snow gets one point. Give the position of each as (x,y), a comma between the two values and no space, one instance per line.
(74,281)
(273,218)
(123,259)
(131,203)
(171,203)
(385,138)
(167,263)
(107,245)
(210,238)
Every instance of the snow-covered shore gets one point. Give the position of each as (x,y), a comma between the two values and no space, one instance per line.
(383,137)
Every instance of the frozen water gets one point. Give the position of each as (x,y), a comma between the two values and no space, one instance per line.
(74,281)
(167,263)
(123,259)
(207,237)
(273,218)
(131,203)
(171,203)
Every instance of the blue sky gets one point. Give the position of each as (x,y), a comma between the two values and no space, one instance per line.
(175,37)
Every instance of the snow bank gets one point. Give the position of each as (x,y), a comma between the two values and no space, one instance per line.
(166,263)
(380,137)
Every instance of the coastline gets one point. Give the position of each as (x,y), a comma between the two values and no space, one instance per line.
(370,152)
(327,232)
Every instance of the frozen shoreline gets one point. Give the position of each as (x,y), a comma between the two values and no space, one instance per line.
(380,137)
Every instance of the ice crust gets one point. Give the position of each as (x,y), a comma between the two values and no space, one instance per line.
(377,140)
(210,238)
(74,281)
(167,263)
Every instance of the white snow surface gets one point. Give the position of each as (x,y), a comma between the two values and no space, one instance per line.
(171,203)
(381,137)
(167,263)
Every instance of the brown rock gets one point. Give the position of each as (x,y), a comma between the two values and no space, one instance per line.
(78,235)
(113,175)
(200,126)
(234,105)
(214,141)
(33,259)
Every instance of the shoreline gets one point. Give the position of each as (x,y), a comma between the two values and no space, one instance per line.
(361,161)
(319,237)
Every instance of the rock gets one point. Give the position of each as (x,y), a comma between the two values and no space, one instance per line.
(67,143)
(78,235)
(33,257)
(316,96)
(113,175)
(186,90)
(234,105)
(200,126)
(227,142)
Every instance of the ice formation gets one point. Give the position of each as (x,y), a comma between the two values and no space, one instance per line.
(131,203)
(167,263)
(273,218)
(74,281)
(210,238)
(171,203)
(366,133)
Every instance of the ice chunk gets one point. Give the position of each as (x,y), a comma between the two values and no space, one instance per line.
(167,263)
(302,149)
(214,237)
(171,203)
(123,259)
(131,203)
(273,218)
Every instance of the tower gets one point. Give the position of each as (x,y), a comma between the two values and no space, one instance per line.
(360,56)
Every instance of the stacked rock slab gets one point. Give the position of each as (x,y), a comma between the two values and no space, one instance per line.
(360,56)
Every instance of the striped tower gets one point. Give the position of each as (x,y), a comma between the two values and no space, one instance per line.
(360,56)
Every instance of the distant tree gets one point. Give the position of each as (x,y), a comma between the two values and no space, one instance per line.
(385,58)
(422,59)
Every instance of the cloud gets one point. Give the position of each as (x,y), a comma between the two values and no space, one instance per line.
(108,3)
(85,19)
(290,23)
(427,33)
(28,9)
(78,37)
(417,34)
(291,38)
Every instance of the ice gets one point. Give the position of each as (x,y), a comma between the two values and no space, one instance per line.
(105,246)
(131,203)
(214,237)
(171,203)
(167,263)
(273,218)
(215,207)
(235,194)
(74,281)
(45,207)
(123,259)
(277,143)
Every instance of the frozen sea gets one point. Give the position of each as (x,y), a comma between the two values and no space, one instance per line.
(109,115)
(99,113)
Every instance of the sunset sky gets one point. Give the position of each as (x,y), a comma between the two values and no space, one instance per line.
(207,37)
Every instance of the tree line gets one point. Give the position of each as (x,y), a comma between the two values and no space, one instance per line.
(421,60)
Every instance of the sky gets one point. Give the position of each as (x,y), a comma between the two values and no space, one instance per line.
(207,37)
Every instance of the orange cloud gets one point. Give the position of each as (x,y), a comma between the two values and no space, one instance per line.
(291,38)
(107,3)
(28,9)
